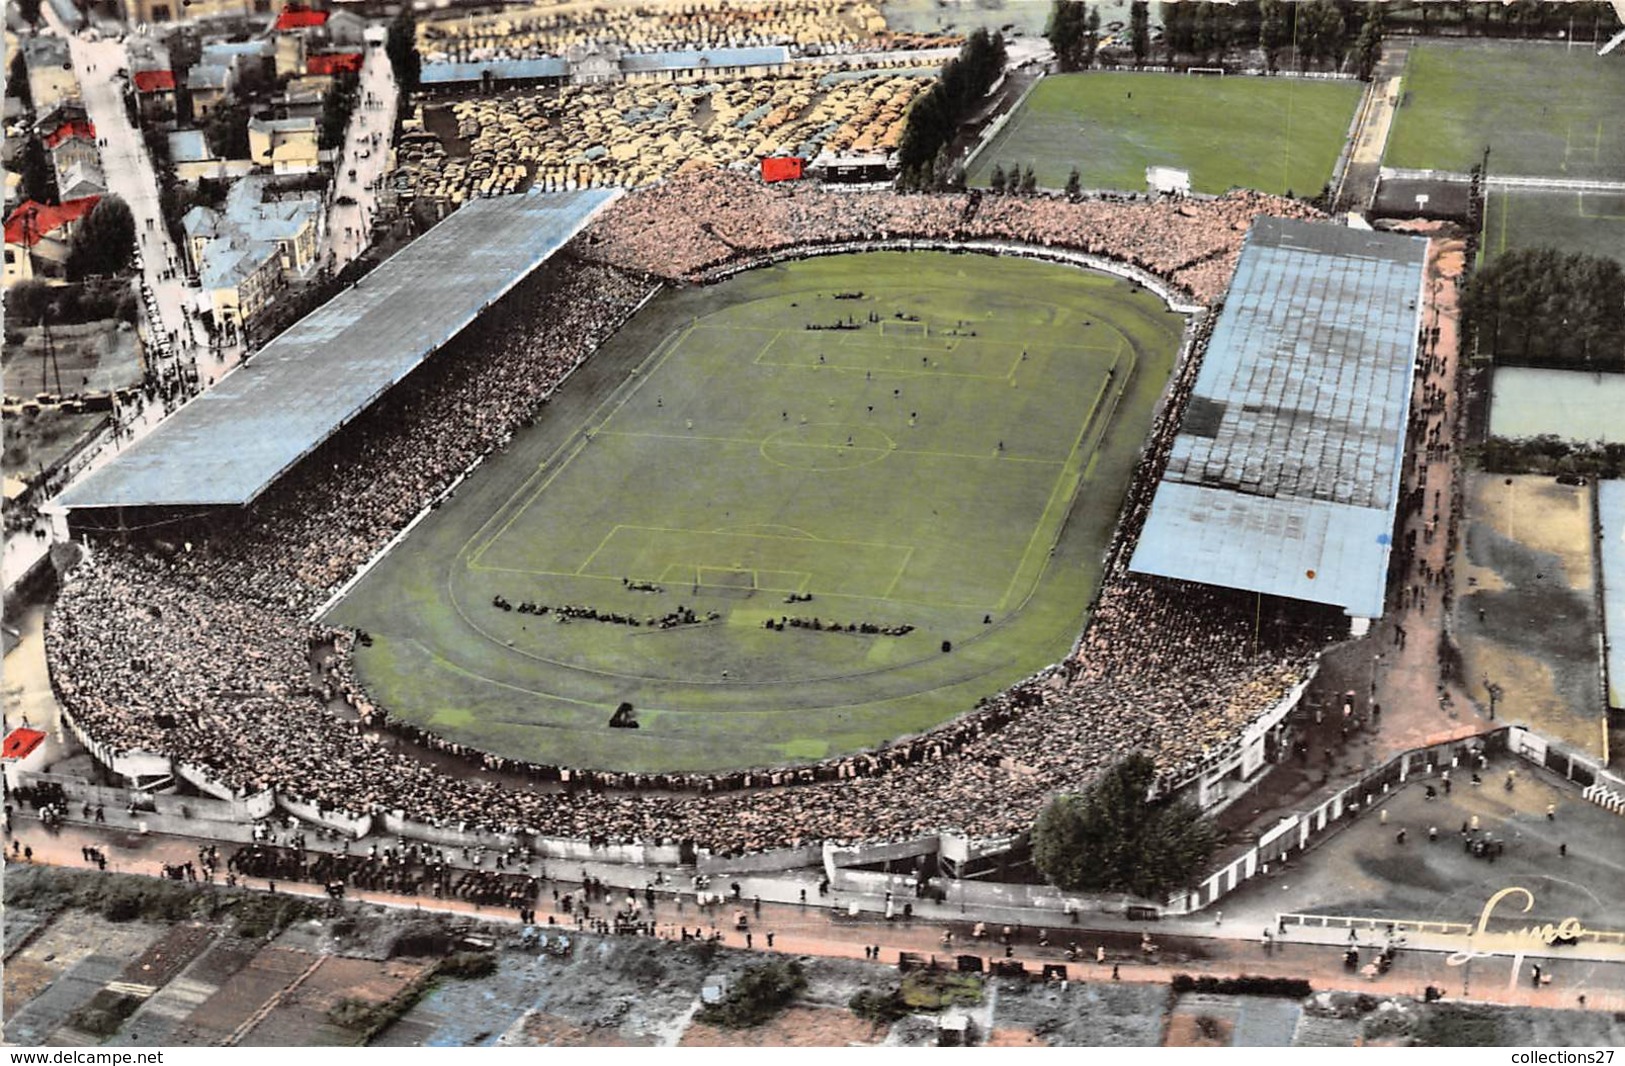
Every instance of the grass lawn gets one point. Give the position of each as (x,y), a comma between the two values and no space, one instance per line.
(1590,222)
(957,470)
(1544,110)
(1271,134)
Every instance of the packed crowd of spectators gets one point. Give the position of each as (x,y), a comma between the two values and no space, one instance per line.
(192,640)
(697,223)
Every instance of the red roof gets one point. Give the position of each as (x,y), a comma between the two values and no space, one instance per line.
(50,217)
(334,63)
(154,81)
(299,17)
(21,741)
(77,128)
(782,168)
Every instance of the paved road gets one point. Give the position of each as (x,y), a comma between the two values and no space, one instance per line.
(363,164)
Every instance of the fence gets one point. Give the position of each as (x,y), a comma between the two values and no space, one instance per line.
(1295,832)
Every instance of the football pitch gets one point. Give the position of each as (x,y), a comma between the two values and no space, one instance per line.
(1543,110)
(1270,134)
(924,452)
(1590,222)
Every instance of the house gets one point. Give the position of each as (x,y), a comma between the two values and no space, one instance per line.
(290,53)
(69,138)
(154,94)
(210,85)
(194,159)
(138,11)
(334,63)
(346,30)
(51,79)
(79,181)
(248,251)
(285,145)
(39,237)
(296,16)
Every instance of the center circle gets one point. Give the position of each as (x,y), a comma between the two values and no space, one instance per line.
(827,446)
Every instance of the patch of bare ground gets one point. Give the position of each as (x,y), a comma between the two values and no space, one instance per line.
(795,1027)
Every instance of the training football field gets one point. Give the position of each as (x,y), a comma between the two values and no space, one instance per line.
(1271,134)
(1543,110)
(932,447)
(1571,221)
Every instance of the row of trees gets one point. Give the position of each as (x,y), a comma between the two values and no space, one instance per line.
(401,47)
(1550,454)
(934,117)
(1544,307)
(1321,32)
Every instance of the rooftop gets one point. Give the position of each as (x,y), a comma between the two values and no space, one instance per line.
(47,218)
(1284,476)
(154,81)
(230,443)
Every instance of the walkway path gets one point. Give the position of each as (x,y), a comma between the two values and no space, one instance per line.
(1382,98)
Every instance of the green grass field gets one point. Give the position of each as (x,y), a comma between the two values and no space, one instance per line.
(1590,222)
(960,474)
(1271,134)
(1545,111)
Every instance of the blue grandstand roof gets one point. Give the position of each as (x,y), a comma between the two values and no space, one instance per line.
(1285,474)
(499,69)
(709,58)
(1611,512)
(231,442)
(630,63)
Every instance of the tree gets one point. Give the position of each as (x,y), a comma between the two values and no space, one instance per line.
(1074,185)
(1274,32)
(30,11)
(1140,30)
(226,130)
(759,993)
(17,81)
(105,242)
(402,49)
(1029,180)
(995,183)
(1065,32)
(1368,45)
(1112,838)
(38,177)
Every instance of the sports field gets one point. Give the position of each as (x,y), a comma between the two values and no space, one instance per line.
(1590,222)
(1544,110)
(1271,134)
(957,470)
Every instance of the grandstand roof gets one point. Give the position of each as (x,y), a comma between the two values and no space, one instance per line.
(1284,476)
(231,442)
(1611,512)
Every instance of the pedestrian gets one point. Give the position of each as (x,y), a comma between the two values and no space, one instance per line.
(770,935)
(1551,812)
(1115,975)
(1100,954)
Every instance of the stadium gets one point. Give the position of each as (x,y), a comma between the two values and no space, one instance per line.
(236,633)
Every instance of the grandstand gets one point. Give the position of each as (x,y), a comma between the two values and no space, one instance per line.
(229,444)
(1284,476)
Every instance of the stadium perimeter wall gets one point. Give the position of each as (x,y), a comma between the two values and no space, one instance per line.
(232,820)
